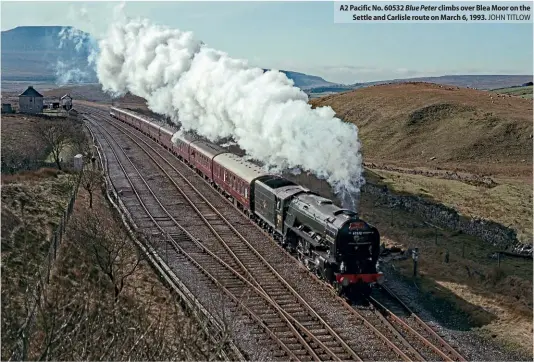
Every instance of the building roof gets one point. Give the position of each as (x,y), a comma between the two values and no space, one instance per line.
(30,92)
(66,96)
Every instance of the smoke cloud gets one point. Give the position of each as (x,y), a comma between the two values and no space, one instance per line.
(77,62)
(207,91)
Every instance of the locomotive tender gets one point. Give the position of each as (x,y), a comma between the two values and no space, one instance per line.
(332,242)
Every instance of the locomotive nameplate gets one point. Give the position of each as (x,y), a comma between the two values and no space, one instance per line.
(356,225)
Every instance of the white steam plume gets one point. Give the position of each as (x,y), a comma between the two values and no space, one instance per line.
(77,68)
(205,90)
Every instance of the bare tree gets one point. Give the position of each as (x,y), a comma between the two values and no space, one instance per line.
(108,246)
(56,136)
(80,140)
(22,336)
(91,180)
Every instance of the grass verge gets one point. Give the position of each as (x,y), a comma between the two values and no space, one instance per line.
(495,300)
(509,203)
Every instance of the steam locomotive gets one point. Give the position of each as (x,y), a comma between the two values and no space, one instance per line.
(332,242)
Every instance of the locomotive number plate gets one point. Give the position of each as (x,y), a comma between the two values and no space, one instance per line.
(361,232)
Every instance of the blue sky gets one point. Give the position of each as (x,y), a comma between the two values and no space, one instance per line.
(302,36)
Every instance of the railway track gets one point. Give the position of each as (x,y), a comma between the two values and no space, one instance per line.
(220,239)
(288,321)
(432,344)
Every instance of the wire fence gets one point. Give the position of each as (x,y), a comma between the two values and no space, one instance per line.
(42,277)
(57,236)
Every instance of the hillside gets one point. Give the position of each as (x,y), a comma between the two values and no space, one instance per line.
(37,53)
(428,124)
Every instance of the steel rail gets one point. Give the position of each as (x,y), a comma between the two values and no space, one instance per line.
(259,291)
(251,248)
(451,353)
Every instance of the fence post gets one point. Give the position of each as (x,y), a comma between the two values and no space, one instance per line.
(60,232)
(55,246)
(48,269)
(415,257)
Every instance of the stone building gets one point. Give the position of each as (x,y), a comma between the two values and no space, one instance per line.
(30,101)
(66,102)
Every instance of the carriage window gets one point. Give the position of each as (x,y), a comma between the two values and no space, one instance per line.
(224,176)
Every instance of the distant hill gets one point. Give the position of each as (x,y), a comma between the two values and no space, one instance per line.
(432,124)
(33,53)
(470,81)
(485,82)
(306,81)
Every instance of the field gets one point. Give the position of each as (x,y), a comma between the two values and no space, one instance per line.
(509,203)
(523,92)
(22,127)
